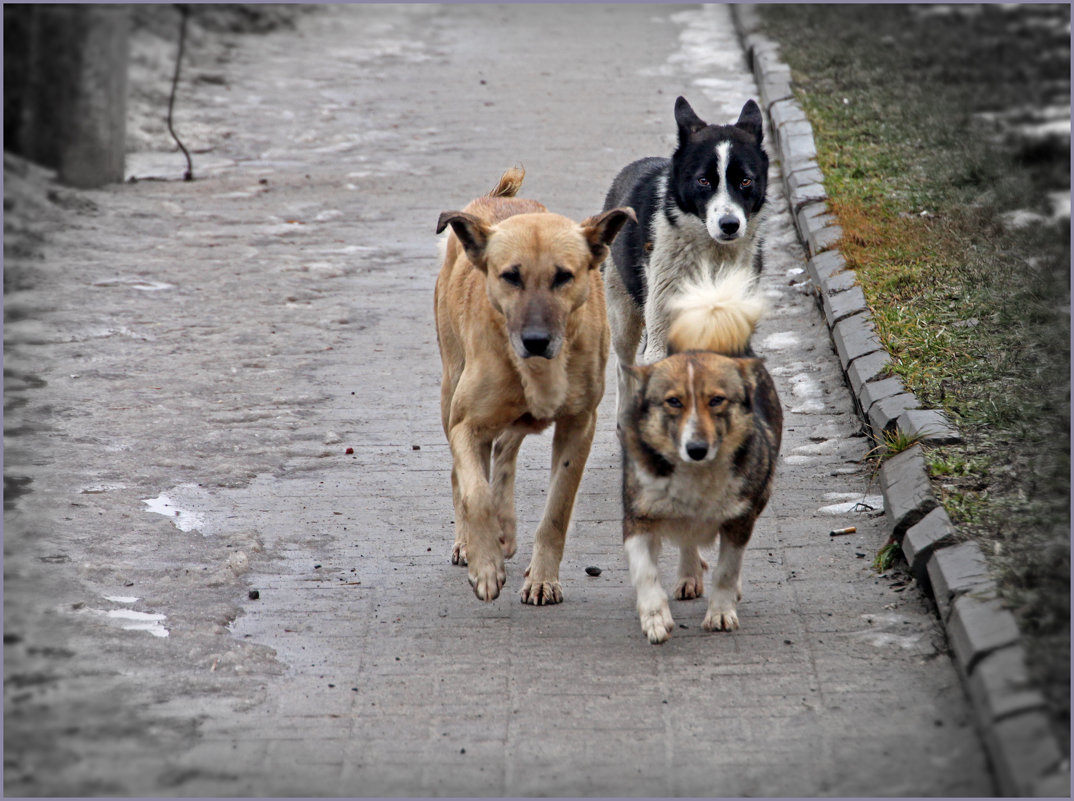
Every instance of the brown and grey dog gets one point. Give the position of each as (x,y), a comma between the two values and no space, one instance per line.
(524,340)
(700,440)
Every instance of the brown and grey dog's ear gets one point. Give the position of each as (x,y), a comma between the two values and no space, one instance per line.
(747,368)
(471,231)
(600,229)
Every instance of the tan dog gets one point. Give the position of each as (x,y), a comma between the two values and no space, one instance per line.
(524,341)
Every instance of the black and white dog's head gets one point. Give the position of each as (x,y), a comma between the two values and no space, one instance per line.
(719,173)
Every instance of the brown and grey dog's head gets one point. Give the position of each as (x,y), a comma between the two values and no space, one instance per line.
(691,407)
(537,268)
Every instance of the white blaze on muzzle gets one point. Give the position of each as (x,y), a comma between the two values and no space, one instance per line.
(725,219)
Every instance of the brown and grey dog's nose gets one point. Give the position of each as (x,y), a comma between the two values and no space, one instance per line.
(697,450)
(536,342)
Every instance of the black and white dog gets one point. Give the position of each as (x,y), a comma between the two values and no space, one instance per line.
(698,215)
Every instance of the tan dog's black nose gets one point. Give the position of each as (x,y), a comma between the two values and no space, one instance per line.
(536,343)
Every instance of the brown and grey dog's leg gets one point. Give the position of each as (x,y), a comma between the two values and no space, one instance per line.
(722,613)
(570,450)
(692,569)
(642,551)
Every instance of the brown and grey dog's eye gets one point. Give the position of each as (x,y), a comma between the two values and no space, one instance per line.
(716,400)
(673,402)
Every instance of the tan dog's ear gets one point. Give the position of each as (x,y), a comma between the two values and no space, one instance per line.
(472,232)
(600,229)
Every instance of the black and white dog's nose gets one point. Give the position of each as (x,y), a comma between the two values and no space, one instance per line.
(536,343)
(697,450)
(729,225)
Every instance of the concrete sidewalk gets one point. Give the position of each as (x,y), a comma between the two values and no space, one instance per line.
(217,348)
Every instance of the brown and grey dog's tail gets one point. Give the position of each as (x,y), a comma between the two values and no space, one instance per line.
(510,183)
(716,313)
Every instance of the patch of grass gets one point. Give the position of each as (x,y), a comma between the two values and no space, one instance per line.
(916,112)
(886,557)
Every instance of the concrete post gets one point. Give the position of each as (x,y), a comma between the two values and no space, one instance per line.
(74,115)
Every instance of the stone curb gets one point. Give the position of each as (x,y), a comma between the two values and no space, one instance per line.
(983,635)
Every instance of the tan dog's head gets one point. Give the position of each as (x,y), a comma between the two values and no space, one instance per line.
(690,406)
(537,268)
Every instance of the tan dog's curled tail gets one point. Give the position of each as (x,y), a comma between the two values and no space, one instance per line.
(510,183)
(716,313)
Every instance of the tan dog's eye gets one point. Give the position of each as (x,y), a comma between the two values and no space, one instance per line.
(673,402)
(716,400)
(562,278)
(512,276)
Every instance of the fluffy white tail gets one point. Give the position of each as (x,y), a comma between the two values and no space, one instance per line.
(717,313)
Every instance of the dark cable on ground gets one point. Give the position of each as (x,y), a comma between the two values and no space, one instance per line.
(184,12)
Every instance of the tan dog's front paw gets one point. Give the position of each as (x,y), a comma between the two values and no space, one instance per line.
(487,581)
(657,625)
(689,587)
(541,593)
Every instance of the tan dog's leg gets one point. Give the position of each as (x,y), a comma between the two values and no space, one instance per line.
(727,581)
(570,449)
(476,527)
(691,574)
(643,550)
(504,454)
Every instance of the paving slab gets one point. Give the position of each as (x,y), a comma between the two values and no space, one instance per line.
(246,364)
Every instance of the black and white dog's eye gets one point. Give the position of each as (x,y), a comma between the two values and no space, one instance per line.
(745,182)
(703,181)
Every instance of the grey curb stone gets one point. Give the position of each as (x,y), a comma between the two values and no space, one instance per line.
(840,305)
(879,390)
(773,90)
(928,425)
(825,265)
(814,215)
(935,530)
(804,175)
(839,282)
(907,492)
(854,337)
(1054,785)
(955,571)
(797,148)
(884,414)
(1023,749)
(786,111)
(824,238)
(1001,685)
(802,194)
(867,368)
(978,626)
